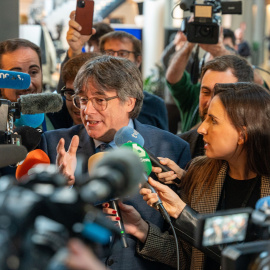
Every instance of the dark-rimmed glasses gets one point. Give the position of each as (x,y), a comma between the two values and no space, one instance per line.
(68,93)
(100,104)
(120,53)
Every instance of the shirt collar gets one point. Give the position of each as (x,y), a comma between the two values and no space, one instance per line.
(112,143)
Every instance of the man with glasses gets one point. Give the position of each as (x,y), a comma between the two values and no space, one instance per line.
(125,45)
(70,115)
(109,95)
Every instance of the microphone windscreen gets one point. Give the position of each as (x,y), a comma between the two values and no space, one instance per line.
(40,103)
(144,158)
(128,134)
(94,159)
(34,157)
(263,203)
(11,154)
(31,120)
(30,137)
(14,80)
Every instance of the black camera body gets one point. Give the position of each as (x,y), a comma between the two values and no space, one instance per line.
(241,235)
(205,27)
(9,112)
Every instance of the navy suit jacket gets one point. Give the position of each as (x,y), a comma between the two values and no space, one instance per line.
(160,143)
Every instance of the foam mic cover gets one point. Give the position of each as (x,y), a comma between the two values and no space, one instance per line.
(31,120)
(94,159)
(14,80)
(11,154)
(145,160)
(40,103)
(34,157)
(30,137)
(128,134)
(263,203)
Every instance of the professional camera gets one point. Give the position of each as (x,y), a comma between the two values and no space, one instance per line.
(241,235)
(9,113)
(206,24)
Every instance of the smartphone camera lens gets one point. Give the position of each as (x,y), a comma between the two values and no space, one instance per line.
(81,4)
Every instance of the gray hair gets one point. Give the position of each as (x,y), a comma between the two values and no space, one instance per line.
(113,73)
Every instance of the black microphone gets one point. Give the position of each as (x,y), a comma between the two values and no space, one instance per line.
(11,154)
(128,134)
(118,174)
(30,137)
(39,103)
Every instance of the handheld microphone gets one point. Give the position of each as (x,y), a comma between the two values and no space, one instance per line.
(11,154)
(94,159)
(145,160)
(263,203)
(114,203)
(31,120)
(30,137)
(33,158)
(39,103)
(128,134)
(14,80)
(116,175)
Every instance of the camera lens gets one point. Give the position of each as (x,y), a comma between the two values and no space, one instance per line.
(205,31)
(81,4)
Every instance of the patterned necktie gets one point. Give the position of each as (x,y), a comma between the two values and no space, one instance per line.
(103,147)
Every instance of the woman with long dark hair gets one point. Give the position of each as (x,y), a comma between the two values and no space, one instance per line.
(234,173)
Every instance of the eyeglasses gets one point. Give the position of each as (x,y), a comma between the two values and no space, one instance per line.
(121,53)
(100,104)
(68,93)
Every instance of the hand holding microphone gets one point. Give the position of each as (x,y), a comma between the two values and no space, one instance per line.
(127,135)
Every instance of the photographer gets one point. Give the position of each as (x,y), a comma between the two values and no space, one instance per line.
(234,173)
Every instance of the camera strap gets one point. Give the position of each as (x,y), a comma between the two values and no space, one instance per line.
(246,199)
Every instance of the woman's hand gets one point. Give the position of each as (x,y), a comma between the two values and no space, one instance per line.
(171,201)
(133,222)
(168,177)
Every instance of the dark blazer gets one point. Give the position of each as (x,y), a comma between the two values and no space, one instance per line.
(160,143)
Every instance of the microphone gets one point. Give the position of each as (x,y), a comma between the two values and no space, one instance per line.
(114,203)
(11,154)
(33,158)
(39,103)
(30,137)
(31,120)
(263,203)
(145,160)
(94,159)
(14,80)
(127,134)
(118,174)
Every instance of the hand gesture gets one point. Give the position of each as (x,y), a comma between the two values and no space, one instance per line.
(67,161)
(171,201)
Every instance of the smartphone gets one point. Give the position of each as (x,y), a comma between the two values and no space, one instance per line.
(84,15)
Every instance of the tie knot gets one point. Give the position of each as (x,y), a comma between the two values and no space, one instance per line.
(103,147)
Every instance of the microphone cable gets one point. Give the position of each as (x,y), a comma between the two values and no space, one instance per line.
(160,207)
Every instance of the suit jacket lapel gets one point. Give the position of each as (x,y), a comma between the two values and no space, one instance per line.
(148,140)
(86,143)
